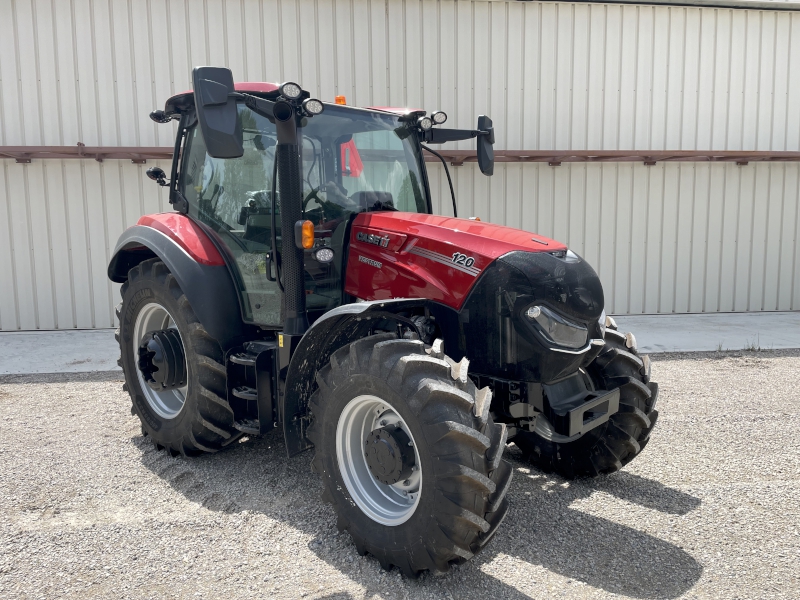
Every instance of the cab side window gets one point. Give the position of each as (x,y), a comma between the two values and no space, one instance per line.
(233,197)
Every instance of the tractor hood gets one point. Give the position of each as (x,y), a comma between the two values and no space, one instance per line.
(412,255)
(483,280)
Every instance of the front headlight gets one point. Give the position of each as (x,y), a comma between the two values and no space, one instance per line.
(556,329)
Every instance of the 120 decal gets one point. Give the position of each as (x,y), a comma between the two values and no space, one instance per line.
(463,259)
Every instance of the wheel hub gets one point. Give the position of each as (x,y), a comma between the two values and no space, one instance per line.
(161,360)
(389,454)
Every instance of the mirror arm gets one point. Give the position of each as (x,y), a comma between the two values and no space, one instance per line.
(256,104)
(449,180)
(440,136)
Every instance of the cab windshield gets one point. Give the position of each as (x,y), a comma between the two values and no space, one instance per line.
(352,161)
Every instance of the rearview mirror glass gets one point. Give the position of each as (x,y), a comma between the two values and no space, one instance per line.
(485,145)
(216,111)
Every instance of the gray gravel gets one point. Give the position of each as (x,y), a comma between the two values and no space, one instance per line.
(89,509)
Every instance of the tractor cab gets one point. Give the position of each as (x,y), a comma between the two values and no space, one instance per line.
(351,161)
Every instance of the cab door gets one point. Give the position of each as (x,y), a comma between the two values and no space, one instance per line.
(233,197)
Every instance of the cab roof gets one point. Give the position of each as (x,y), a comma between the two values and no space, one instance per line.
(183,100)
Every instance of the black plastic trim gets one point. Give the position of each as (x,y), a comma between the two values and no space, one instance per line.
(331,331)
(209,289)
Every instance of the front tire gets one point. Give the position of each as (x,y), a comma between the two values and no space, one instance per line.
(461,480)
(614,444)
(195,417)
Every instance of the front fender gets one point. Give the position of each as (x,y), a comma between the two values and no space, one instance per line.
(334,329)
(201,274)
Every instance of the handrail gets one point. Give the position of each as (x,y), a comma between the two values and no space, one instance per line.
(140,154)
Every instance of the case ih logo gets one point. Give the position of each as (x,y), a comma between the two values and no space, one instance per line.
(382,241)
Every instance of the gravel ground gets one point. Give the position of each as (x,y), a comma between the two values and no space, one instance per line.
(88,509)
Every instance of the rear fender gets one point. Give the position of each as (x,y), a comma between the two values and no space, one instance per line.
(334,329)
(196,264)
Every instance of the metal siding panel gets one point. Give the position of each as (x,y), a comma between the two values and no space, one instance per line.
(772,244)
(604,264)
(668,281)
(60,242)
(102,40)
(38,214)
(644,76)
(744,237)
(22,17)
(628,84)
(379,94)
(497,74)
(698,250)
(307,41)
(564,47)
(689,87)
(683,239)
(758,233)
(730,227)
(97,232)
(43,48)
(789,232)
(593,203)
(531,105)
(763,116)
(623,211)
(595,59)
(654,223)
(413,56)
(715,203)
(11,130)
(640,203)
(8,282)
(21,242)
(81,249)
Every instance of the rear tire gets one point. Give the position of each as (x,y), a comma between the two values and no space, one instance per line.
(614,444)
(464,480)
(204,421)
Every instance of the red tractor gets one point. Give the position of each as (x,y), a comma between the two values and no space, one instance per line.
(303,282)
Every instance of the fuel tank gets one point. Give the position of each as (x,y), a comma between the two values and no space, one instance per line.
(486,281)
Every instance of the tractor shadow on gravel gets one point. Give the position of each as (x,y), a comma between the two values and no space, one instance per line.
(543,527)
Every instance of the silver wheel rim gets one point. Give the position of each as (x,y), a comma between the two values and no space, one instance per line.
(154,317)
(386,504)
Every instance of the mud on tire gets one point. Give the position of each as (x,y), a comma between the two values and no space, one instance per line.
(464,479)
(615,443)
(205,422)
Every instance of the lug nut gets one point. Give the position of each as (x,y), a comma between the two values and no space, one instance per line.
(407,482)
(383,422)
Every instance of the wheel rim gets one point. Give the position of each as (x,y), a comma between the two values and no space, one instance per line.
(166,404)
(386,504)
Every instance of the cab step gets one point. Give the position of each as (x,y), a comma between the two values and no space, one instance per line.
(245,392)
(249,426)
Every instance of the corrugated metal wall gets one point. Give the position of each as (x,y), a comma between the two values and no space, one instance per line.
(670,238)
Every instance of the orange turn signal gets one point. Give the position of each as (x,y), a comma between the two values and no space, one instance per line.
(307,234)
(340,100)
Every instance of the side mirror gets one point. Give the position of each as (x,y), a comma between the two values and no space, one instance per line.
(485,145)
(216,111)
(157,174)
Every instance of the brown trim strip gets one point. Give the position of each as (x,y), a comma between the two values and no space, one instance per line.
(138,154)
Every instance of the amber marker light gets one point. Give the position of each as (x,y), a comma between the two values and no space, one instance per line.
(308,235)
(340,100)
